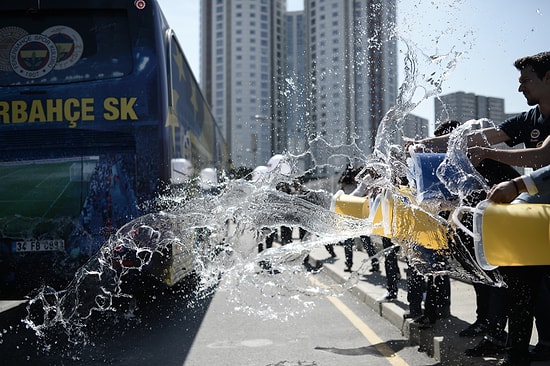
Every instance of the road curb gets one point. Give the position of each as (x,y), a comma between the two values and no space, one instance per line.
(10,310)
(441,342)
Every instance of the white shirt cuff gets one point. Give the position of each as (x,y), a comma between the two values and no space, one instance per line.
(529,184)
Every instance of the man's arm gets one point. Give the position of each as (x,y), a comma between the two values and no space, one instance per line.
(534,158)
(484,137)
(538,182)
(435,144)
(505,192)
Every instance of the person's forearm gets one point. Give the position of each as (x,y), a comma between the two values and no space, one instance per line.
(519,185)
(436,144)
(531,158)
(505,192)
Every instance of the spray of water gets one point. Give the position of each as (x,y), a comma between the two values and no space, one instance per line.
(215,237)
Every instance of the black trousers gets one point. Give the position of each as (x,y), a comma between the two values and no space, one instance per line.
(523,283)
(391,267)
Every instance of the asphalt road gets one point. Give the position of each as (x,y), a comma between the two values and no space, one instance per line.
(178,329)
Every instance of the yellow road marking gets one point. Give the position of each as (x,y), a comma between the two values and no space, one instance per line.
(368,333)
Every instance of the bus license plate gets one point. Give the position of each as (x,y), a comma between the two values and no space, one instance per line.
(24,246)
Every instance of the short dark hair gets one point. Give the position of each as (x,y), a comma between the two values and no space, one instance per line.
(446,127)
(539,62)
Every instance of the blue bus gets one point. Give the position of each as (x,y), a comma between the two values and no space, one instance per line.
(99,113)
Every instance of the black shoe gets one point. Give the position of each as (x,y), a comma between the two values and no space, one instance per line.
(485,348)
(387,297)
(347,269)
(474,330)
(330,250)
(424,322)
(541,352)
(514,361)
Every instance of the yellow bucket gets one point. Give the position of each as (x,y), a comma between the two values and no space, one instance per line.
(412,224)
(380,227)
(346,204)
(397,218)
(511,234)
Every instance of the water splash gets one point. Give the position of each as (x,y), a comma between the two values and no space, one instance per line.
(216,237)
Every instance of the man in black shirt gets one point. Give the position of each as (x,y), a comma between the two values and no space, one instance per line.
(532,128)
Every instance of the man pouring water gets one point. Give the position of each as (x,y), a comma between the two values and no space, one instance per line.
(532,128)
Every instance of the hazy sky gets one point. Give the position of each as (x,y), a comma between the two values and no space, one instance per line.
(488,35)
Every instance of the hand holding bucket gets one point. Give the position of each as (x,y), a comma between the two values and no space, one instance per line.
(509,234)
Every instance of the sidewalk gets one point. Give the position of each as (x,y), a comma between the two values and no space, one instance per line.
(440,342)
(11,309)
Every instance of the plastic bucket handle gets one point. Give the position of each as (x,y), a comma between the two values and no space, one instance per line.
(478,240)
(456,219)
(334,199)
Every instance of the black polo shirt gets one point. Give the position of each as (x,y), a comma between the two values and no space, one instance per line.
(530,128)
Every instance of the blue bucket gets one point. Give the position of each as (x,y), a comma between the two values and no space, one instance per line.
(423,168)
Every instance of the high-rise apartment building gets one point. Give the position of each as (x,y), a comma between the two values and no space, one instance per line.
(414,127)
(295,82)
(463,106)
(352,62)
(275,79)
(242,66)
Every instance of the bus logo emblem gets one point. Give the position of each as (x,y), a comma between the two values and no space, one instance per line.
(69,45)
(8,37)
(33,56)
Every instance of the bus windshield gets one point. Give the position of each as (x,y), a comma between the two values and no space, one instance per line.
(53,47)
